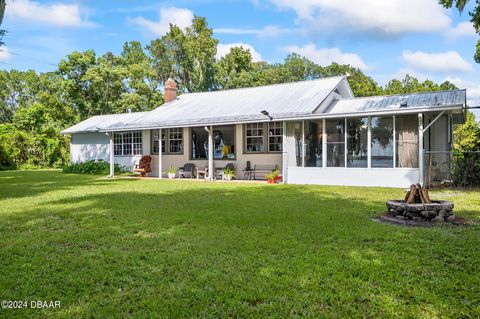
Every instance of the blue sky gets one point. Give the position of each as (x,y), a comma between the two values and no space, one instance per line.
(386,39)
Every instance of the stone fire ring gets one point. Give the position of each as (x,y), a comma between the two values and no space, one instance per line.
(438,210)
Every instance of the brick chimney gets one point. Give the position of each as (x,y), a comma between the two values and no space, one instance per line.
(170,90)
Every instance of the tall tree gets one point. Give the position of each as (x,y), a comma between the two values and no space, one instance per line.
(474,14)
(187,56)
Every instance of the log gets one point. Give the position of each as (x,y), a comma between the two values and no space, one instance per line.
(411,196)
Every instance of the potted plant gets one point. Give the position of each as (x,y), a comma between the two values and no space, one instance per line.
(171,172)
(228,174)
(273,177)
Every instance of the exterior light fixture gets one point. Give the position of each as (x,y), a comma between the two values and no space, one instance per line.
(264,112)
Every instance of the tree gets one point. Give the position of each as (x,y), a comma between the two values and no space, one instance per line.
(474,14)
(232,70)
(410,84)
(466,153)
(187,56)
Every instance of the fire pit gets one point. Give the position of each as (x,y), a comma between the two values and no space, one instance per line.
(418,207)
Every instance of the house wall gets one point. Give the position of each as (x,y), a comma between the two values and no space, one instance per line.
(239,163)
(379,177)
(96,146)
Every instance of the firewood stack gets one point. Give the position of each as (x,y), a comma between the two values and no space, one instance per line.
(417,195)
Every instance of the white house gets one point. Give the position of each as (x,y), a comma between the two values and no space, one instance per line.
(315,131)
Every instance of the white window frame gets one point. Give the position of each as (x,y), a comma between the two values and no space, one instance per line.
(135,141)
(272,126)
(251,127)
(175,135)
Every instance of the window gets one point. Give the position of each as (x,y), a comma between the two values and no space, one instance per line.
(313,143)
(175,140)
(275,136)
(357,142)
(382,141)
(223,142)
(254,134)
(127,143)
(166,133)
(335,142)
(263,137)
(406,127)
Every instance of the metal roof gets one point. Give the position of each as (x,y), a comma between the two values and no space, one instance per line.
(245,104)
(99,122)
(399,102)
(282,101)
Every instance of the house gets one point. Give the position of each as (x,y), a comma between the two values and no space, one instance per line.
(316,131)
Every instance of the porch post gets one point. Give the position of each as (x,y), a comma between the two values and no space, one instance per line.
(160,167)
(420,147)
(284,154)
(210,153)
(369,143)
(112,156)
(324,143)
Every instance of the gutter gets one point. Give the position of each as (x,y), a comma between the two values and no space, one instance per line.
(285,118)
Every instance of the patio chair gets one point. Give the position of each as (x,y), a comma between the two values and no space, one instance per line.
(202,172)
(188,170)
(143,167)
(248,171)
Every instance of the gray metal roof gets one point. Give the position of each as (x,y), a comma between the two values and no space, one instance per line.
(430,100)
(282,101)
(245,104)
(99,122)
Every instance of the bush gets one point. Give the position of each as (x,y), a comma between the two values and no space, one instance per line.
(99,167)
(466,153)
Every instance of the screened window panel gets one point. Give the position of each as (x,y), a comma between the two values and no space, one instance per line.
(313,143)
(382,141)
(357,142)
(406,128)
(294,144)
(224,142)
(199,142)
(335,142)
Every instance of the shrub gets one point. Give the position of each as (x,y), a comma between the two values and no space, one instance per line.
(466,153)
(99,167)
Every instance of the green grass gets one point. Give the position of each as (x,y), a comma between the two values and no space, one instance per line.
(149,248)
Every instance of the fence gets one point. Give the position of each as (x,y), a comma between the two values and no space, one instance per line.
(447,167)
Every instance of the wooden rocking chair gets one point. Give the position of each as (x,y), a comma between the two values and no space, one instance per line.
(143,167)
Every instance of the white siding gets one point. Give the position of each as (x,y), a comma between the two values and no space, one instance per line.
(379,177)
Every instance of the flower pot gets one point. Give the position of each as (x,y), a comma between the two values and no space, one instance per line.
(228,177)
(278,179)
(171,175)
(271,181)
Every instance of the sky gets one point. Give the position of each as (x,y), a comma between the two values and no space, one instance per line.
(384,38)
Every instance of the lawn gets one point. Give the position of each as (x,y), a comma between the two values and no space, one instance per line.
(149,248)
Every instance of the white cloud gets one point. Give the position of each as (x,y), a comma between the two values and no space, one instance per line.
(463,29)
(268,31)
(223,49)
(56,14)
(177,16)
(325,56)
(473,90)
(385,18)
(443,62)
(4,54)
